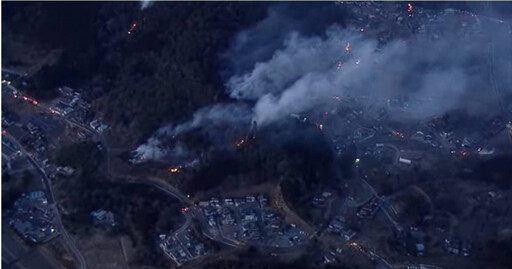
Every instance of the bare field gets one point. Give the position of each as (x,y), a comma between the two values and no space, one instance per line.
(106,252)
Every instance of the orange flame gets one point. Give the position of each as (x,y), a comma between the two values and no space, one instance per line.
(173,169)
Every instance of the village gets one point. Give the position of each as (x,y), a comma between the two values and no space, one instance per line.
(384,212)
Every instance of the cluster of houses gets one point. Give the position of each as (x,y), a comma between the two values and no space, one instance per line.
(368,210)
(182,247)
(411,239)
(249,219)
(338,226)
(10,154)
(458,138)
(457,247)
(35,141)
(70,103)
(98,126)
(32,218)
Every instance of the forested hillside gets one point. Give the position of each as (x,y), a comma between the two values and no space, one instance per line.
(161,72)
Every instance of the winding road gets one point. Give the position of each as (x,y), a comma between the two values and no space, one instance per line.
(70,244)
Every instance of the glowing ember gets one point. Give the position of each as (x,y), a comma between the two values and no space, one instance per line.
(240,142)
(355,246)
(32,100)
(184,209)
(4,131)
(409,7)
(339,65)
(173,169)
(463,153)
(132,28)
(396,133)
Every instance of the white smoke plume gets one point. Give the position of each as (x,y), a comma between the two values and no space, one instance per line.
(209,118)
(303,71)
(145,3)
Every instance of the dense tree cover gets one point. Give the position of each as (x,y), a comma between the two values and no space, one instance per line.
(496,171)
(251,261)
(310,167)
(36,29)
(499,252)
(142,211)
(168,67)
(13,187)
(288,152)
(415,207)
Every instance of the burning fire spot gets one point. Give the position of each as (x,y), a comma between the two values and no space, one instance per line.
(355,246)
(240,142)
(340,64)
(32,100)
(4,131)
(173,169)
(409,7)
(132,28)
(396,133)
(184,209)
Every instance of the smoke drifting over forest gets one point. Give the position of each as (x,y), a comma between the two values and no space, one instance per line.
(282,66)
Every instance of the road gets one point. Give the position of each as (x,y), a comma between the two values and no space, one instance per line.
(36,166)
(380,262)
(97,137)
(77,256)
(175,193)
(171,191)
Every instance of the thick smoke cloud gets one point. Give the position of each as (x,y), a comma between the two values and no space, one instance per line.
(259,42)
(304,74)
(283,69)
